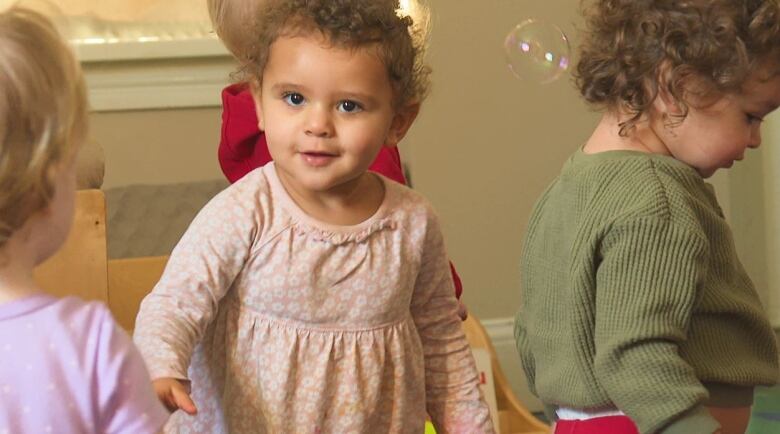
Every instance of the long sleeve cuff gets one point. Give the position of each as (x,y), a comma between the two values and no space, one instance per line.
(697,420)
(549,412)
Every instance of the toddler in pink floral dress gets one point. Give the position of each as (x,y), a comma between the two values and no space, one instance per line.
(313,295)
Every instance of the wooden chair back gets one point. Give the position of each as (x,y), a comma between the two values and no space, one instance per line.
(79,267)
(513,416)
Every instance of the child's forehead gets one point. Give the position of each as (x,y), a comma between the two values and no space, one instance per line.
(307,59)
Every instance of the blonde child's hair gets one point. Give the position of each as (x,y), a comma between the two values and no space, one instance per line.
(233,22)
(400,40)
(43,113)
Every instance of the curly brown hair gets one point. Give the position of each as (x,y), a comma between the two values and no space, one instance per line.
(350,24)
(628,43)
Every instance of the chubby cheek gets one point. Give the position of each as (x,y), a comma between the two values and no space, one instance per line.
(279,140)
(733,149)
(368,151)
(372,138)
(722,158)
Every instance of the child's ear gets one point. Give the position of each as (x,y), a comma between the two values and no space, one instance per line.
(402,121)
(258,108)
(665,102)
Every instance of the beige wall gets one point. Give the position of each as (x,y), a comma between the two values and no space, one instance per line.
(752,188)
(484,146)
(158,146)
(487,144)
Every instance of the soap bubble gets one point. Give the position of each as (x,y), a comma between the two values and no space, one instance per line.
(537,51)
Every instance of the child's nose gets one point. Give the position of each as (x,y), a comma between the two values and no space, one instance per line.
(318,122)
(755,138)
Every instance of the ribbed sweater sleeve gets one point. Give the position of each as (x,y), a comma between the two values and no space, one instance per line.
(648,281)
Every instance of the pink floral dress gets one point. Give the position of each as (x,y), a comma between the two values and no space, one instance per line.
(284,324)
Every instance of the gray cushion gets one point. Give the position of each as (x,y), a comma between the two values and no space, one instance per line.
(148,220)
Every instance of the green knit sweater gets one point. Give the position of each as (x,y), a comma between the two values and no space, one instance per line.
(633,296)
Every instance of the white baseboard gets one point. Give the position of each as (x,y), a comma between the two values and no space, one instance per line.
(500,330)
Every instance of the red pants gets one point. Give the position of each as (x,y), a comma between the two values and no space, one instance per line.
(599,425)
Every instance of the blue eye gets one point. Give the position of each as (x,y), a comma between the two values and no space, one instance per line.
(293,98)
(348,106)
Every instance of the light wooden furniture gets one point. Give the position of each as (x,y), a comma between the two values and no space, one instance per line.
(513,417)
(80,266)
(129,280)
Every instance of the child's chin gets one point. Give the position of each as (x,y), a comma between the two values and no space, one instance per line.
(707,172)
(321,185)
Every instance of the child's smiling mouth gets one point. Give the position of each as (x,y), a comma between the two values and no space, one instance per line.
(318,158)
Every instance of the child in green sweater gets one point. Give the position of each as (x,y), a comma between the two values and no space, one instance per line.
(636,314)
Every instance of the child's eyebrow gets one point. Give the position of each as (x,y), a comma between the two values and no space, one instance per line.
(768,106)
(363,97)
(764,103)
(285,86)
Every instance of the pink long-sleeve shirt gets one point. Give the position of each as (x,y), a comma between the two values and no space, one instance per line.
(287,324)
(66,367)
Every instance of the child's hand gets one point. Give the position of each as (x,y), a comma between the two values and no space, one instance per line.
(175,394)
(463,312)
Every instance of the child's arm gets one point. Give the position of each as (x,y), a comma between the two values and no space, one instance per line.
(647,285)
(454,400)
(200,271)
